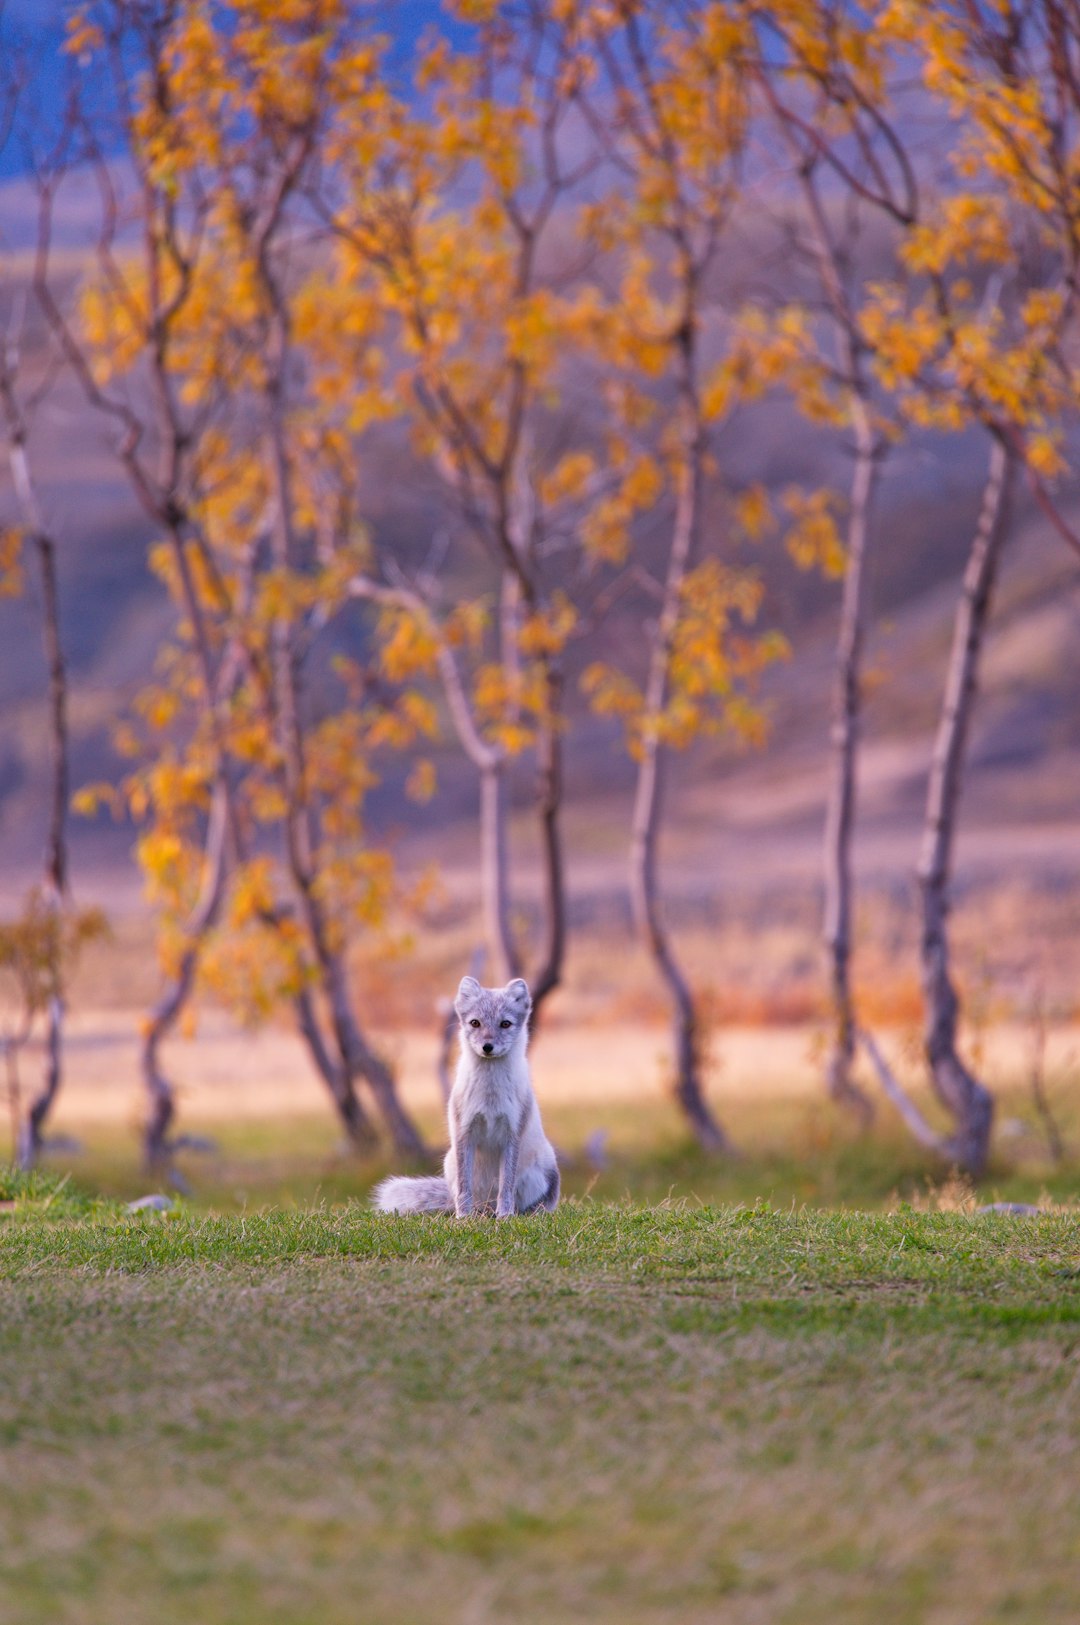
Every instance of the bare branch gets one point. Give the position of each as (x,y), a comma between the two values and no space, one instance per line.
(921,1130)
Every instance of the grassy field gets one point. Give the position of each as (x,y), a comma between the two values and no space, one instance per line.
(606,1101)
(791,1151)
(611,1413)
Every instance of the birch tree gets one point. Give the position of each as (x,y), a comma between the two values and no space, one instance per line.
(465,239)
(221,126)
(54,888)
(971,341)
(671,110)
(39,948)
(824,79)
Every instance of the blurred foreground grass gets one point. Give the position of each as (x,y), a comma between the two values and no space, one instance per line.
(789,1150)
(610,1413)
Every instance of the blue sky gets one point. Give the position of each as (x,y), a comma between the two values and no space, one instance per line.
(36,27)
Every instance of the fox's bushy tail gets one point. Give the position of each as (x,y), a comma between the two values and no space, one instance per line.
(430,1194)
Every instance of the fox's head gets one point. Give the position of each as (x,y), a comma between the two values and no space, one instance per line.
(493,1019)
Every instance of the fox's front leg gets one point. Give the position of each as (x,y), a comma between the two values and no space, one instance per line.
(465,1152)
(506,1204)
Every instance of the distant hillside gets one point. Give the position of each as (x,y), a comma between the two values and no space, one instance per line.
(767,808)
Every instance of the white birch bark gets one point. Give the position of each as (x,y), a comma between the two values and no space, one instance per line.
(30,1135)
(358,1058)
(648,794)
(966,1098)
(841,801)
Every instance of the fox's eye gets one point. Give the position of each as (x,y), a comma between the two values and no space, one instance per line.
(506,1023)
(474,1022)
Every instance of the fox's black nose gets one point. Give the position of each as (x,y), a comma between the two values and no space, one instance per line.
(488,1048)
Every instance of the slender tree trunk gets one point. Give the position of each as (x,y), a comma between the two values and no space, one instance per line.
(549,808)
(55,882)
(56,860)
(840,814)
(846,702)
(647,918)
(361,1060)
(358,1059)
(516,534)
(357,1056)
(223,823)
(354,1119)
(494,868)
(490,763)
(648,798)
(847,695)
(160,494)
(31,1134)
(964,1096)
(161,1100)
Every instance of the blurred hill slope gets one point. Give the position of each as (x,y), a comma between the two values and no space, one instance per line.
(750,816)
(1025,753)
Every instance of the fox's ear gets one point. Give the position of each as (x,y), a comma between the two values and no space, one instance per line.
(518,991)
(468,989)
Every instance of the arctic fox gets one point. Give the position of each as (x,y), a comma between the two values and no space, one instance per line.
(499,1156)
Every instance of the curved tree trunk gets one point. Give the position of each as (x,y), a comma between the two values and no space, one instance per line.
(56,861)
(647,918)
(31,1134)
(959,1090)
(840,813)
(161,1101)
(31,1141)
(549,775)
(157,1143)
(648,796)
(358,1059)
(847,695)
(490,764)
(363,1061)
(55,883)
(549,807)
(358,1126)
(495,867)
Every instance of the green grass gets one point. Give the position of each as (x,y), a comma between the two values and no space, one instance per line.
(800,1151)
(612,1413)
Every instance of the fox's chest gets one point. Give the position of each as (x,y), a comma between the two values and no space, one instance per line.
(489,1137)
(488,1108)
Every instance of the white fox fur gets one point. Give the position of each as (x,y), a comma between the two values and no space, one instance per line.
(499,1155)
